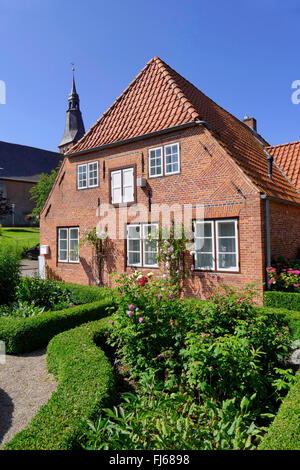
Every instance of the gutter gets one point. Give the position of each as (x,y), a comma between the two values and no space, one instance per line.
(268,242)
(139,137)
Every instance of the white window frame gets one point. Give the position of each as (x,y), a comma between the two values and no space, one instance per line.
(121,172)
(234,268)
(127,244)
(87,172)
(151,158)
(86,179)
(164,160)
(155,265)
(68,260)
(142,240)
(211,222)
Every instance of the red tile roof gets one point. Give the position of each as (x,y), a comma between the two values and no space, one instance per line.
(287,157)
(160,98)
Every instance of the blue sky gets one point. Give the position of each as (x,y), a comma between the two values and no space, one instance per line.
(243,55)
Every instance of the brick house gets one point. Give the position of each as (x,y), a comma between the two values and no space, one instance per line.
(164,143)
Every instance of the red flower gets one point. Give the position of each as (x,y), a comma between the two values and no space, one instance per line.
(142,281)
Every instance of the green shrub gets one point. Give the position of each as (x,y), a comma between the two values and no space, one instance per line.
(284,432)
(21,309)
(155,421)
(81,294)
(292,318)
(27,334)
(86,385)
(288,300)
(149,327)
(44,293)
(9,274)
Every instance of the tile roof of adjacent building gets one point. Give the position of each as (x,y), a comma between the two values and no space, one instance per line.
(160,98)
(287,157)
(23,161)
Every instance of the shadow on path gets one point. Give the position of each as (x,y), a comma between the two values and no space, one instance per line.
(6,412)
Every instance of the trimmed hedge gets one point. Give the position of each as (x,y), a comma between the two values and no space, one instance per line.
(86,385)
(288,300)
(284,432)
(82,294)
(292,318)
(27,334)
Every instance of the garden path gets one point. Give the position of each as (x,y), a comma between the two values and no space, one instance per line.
(25,385)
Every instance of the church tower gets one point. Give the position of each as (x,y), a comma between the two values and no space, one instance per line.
(74,128)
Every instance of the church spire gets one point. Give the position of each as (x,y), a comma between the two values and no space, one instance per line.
(74,127)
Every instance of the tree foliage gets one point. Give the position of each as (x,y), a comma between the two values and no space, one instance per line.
(41,190)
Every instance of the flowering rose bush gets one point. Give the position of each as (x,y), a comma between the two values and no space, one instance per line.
(232,351)
(149,326)
(284,275)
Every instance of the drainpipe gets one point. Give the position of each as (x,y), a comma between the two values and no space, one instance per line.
(268,243)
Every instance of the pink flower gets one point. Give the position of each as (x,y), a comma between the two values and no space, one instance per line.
(137,309)
(159,355)
(270,281)
(159,296)
(130,307)
(296,285)
(129,313)
(141,319)
(111,322)
(171,296)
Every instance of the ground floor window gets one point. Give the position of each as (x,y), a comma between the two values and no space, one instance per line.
(142,245)
(68,244)
(216,245)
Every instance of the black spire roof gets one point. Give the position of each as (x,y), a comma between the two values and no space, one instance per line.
(74,128)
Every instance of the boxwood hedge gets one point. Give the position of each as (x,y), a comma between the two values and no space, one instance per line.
(284,432)
(27,334)
(86,384)
(288,300)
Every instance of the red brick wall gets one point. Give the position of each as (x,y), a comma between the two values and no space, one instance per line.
(208,176)
(284,229)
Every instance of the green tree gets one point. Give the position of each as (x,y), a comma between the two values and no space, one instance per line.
(41,190)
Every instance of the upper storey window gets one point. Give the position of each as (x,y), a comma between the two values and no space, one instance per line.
(164,161)
(87,175)
(122,186)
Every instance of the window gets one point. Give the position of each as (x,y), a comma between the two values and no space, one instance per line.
(204,246)
(164,160)
(68,244)
(87,175)
(216,245)
(155,162)
(142,245)
(122,186)
(227,256)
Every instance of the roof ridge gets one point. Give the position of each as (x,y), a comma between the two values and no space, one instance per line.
(178,91)
(283,145)
(187,105)
(28,146)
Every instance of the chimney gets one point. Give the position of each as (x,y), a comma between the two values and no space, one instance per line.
(251,122)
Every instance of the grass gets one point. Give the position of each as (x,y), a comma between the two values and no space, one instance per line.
(21,238)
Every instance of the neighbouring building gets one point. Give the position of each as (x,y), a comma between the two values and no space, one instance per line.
(163,143)
(20,167)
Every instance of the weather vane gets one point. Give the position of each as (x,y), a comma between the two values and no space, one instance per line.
(73,68)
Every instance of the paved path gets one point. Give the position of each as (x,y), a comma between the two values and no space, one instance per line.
(25,385)
(29,268)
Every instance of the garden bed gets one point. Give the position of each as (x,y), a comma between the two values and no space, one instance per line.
(22,335)
(86,385)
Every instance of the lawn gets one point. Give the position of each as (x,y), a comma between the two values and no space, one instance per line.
(21,238)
